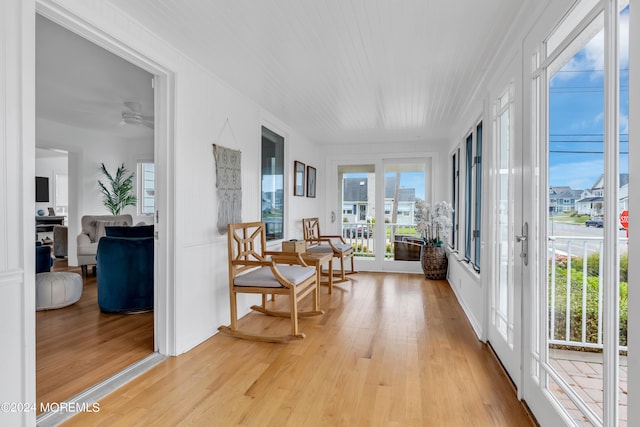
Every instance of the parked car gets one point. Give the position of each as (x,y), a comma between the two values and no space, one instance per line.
(594,222)
(358,231)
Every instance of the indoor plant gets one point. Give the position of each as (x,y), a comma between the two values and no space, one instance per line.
(434,223)
(120,191)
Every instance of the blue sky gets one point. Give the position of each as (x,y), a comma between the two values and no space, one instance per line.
(576,113)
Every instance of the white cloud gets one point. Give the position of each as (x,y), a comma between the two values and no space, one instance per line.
(578,175)
(624,123)
(593,54)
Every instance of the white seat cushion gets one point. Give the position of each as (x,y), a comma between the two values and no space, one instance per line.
(263,277)
(342,247)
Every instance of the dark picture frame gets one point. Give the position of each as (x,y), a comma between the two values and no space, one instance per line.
(298,178)
(311,181)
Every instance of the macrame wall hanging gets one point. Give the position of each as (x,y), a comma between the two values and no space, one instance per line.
(228,185)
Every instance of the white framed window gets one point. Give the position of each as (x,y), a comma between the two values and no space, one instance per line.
(473,196)
(146,188)
(455,199)
(61,191)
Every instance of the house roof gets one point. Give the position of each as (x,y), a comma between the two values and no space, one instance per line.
(404,194)
(355,190)
(591,199)
(624,180)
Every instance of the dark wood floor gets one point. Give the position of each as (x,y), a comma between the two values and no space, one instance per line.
(393,349)
(78,346)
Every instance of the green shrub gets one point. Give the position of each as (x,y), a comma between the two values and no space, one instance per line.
(576,299)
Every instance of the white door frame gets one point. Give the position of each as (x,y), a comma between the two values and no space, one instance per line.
(378,160)
(164,111)
(510,351)
(536,370)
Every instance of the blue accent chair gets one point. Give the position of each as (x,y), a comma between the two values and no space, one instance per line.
(125,274)
(43,258)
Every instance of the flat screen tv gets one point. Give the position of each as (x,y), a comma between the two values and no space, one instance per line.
(42,189)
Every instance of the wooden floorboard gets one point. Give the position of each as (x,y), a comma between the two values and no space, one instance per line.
(78,346)
(392,349)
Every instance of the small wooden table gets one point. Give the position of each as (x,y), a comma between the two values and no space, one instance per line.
(318,259)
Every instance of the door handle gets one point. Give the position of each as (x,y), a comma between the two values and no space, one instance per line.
(524,252)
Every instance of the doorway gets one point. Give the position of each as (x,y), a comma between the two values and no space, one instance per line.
(160,340)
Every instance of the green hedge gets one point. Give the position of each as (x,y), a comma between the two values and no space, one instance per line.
(575,313)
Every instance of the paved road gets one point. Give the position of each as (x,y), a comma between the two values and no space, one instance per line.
(577,245)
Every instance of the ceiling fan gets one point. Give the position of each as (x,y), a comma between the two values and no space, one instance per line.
(132,115)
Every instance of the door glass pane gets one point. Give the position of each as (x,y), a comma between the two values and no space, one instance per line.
(575,219)
(357,191)
(404,192)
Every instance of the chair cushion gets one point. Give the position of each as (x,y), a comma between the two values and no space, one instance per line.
(89,223)
(342,247)
(102,225)
(263,277)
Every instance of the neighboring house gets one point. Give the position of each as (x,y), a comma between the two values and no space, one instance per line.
(563,199)
(406,202)
(623,204)
(355,199)
(357,204)
(592,200)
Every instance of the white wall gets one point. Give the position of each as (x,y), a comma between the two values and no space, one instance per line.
(197,289)
(207,111)
(17,205)
(470,287)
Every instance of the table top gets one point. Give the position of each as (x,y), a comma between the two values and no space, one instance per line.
(317,256)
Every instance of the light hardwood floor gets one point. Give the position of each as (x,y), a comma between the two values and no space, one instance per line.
(392,349)
(78,346)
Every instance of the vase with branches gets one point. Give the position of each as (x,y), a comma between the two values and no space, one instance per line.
(117,192)
(434,223)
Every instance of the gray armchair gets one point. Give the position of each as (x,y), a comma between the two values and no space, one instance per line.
(92,229)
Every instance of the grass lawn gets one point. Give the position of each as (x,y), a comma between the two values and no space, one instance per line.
(567,218)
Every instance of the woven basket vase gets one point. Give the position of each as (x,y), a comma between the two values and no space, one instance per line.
(434,262)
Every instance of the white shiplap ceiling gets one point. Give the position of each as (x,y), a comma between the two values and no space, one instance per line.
(341,71)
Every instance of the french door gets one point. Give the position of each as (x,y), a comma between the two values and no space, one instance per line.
(508,234)
(376,206)
(574,168)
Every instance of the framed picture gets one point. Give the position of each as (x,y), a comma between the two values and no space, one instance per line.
(311,181)
(298,178)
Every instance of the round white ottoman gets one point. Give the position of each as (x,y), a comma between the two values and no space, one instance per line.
(57,289)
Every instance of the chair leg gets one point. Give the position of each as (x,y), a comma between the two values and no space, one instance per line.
(84,270)
(294,312)
(234,312)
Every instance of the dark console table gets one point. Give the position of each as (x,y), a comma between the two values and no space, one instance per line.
(45,223)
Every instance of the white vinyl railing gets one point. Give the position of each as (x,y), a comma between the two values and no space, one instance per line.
(576,291)
(361,236)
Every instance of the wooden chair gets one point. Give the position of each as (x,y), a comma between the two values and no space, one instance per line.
(254,270)
(317,242)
